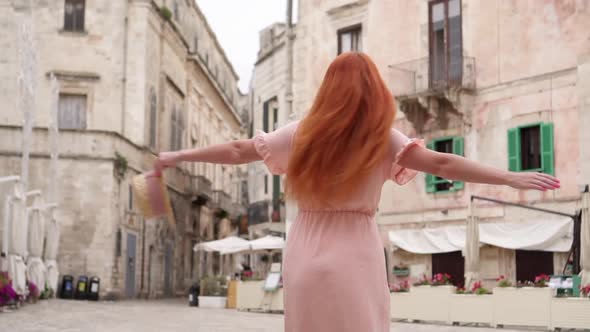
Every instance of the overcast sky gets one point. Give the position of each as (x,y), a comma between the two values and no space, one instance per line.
(237,23)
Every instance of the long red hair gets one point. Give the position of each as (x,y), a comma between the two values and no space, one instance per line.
(345,134)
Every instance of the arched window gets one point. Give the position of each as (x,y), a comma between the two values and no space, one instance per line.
(153,119)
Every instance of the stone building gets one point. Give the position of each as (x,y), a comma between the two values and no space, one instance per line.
(136,78)
(267,113)
(501,82)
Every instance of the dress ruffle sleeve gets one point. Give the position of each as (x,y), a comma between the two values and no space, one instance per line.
(263,148)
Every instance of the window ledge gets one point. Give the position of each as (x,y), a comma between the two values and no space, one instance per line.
(69,33)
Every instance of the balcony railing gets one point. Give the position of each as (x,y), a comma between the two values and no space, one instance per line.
(222,200)
(414,78)
(201,189)
(258,212)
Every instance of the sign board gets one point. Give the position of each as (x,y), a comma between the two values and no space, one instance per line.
(272,281)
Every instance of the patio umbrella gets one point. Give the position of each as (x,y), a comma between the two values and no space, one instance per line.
(35,268)
(585,239)
(51,247)
(471,250)
(268,242)
(229,245)
(17,246)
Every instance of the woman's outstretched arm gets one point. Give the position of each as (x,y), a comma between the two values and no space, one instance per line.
(453,167)
(234,152)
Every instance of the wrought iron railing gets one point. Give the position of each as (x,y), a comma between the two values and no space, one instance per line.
(259,212)
(416,77)
(201,186)
(222,200)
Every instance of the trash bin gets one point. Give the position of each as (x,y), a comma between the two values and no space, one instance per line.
(67,287)
(193,295)
(82,288)
(93,288)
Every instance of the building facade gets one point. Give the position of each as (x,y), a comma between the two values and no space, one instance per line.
(135,78)
(268,112)
(504,83)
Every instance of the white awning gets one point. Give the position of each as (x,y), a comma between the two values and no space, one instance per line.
(268,242)
(228,245)
(546,235)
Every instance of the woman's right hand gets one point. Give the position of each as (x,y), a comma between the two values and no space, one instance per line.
(167,159)
(533,180)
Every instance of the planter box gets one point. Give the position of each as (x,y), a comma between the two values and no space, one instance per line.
(216,302)
(526,306)
(429,303)
(402,306)
(249,295)
(471,308)
(570,313)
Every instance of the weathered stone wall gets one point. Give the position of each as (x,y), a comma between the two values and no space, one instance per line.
(530,66)
(127,52)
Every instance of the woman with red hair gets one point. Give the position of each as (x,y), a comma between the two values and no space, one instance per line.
(336,160)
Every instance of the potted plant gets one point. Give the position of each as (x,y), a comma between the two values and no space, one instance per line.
(469,306)
(33,292)
(541,280)
(441,279)
(402,287)
(8,296)
(585,291)
(478,289)
(535,295)
(503,282)
(213,292)
(47,293)
(401,270)
(422,281)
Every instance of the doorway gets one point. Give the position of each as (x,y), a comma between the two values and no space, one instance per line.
(130,265)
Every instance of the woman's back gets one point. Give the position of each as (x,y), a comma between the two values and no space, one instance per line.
(276,150)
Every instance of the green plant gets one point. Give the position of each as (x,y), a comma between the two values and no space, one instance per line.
(441,279)
(503,282)
(478,289)
(47,293)
(213,286)
(166,13)
(120,163)
(422,282)
(541,280)
(221,214)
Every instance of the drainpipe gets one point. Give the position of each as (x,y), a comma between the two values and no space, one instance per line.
(124,79)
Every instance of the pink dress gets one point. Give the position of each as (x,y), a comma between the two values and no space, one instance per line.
(334,274)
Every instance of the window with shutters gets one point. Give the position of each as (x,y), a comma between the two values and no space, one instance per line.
(445,43)
(350,39)
(74,15)
(72,111)
(153,119)
(530,148)
(446,145)
(176,129)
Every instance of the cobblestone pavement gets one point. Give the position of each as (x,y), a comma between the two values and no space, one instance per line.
(157,316)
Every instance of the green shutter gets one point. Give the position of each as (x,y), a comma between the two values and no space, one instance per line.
(458,150)
(265,117)
(547,161)
(514,149)
(430,185)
